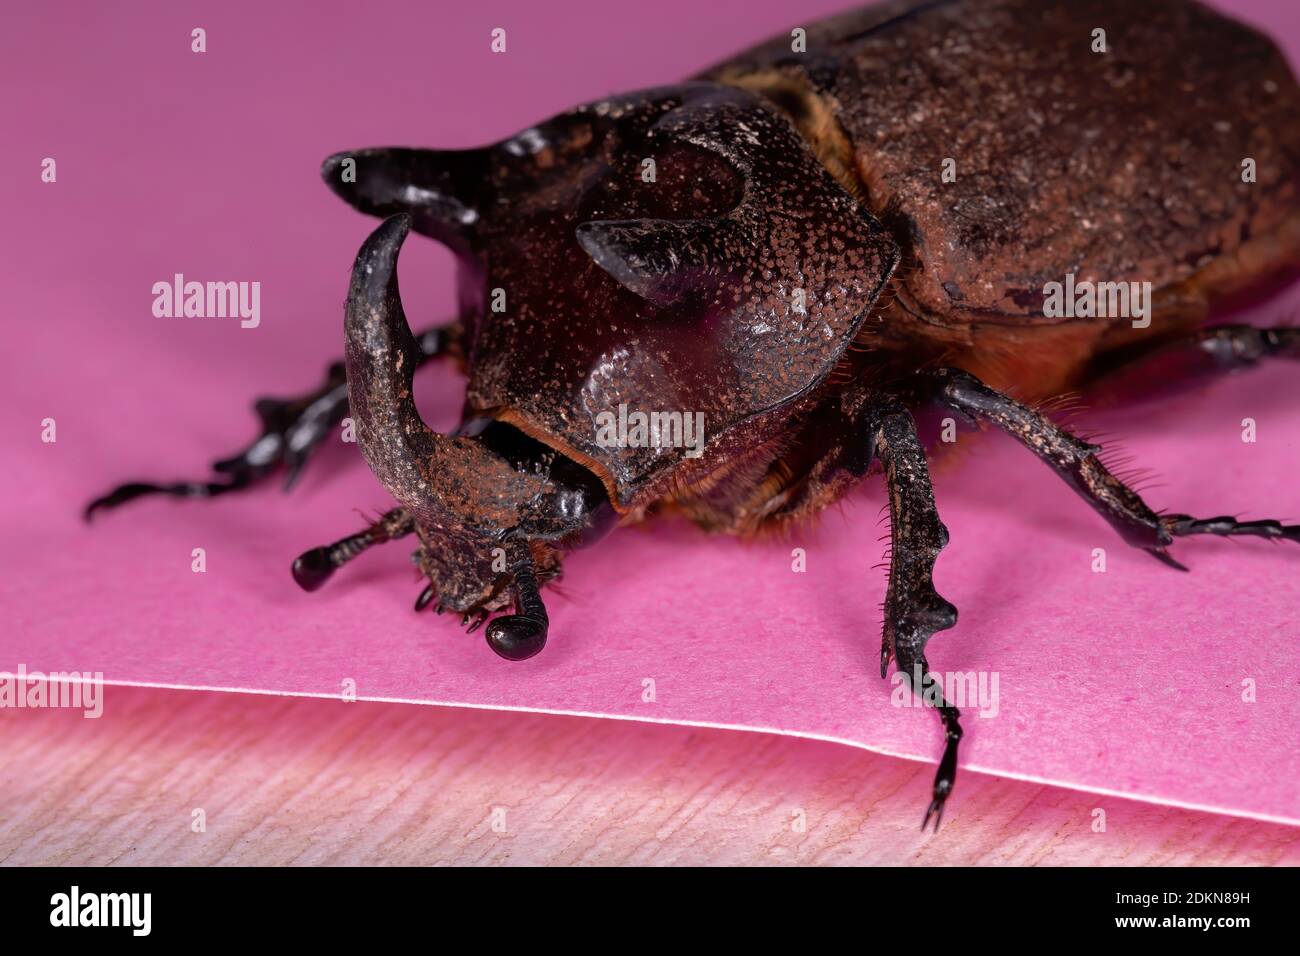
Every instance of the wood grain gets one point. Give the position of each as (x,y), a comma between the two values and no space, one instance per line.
(296,781)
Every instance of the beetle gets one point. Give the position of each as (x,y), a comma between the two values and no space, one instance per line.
(838,232)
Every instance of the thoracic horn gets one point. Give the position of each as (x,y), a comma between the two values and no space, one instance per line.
(441,189)
(382,356)
(662,259)
(789,212)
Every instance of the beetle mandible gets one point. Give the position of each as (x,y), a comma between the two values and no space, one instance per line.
(832,238)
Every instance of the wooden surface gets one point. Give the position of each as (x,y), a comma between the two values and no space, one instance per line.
(296,781)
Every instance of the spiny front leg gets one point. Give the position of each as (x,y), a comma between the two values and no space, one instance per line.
(1078,463)
(914,611)
(292,428)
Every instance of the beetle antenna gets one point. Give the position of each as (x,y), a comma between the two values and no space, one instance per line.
(313,568)
(519,636)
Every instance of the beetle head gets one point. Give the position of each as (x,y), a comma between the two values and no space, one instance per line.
(474,495)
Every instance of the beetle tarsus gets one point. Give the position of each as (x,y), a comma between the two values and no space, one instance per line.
(947,772)
(1078,463)
(1216,349)
(180,489)
(946,775)
(1239,346)
(292,429)
(1226,525)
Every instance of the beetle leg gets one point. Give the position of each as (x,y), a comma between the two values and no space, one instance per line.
(291,430)
(1243,345)
(313,568)
(1219,348)
(1179,526)
(914,611)
(426,598)
(1076,461)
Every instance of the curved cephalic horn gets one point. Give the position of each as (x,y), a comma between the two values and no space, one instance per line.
(382,355)
(441,189)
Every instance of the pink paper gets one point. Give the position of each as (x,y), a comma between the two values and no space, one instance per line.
(1128,681)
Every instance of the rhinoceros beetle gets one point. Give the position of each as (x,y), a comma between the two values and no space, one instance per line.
(838,233)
